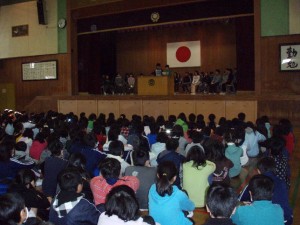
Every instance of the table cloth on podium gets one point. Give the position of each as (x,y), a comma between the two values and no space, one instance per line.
(151,85)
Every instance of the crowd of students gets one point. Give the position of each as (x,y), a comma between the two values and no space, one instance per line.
(106,170)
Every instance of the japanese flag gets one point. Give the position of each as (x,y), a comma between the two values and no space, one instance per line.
(184,54)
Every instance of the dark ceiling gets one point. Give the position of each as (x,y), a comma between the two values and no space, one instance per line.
(10,2)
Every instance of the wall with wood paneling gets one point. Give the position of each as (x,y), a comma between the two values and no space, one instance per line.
(272,80)
(26,91)
(139,51)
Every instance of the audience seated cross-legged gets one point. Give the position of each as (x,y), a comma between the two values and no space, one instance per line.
(69,206)
(12,209)
(166,201)
(261,211)
(196,172)
(144,173)
(221,202)
(25,185)
(110,177)
(121,208)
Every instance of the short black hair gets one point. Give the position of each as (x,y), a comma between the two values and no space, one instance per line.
(116,148)
(110,168)
(121,201)
(140,157)
(172,144)
(221,200)
(266,164)
(55,147)
(69,179)
(11,205)
(197,155)
(25,177)
(261,187)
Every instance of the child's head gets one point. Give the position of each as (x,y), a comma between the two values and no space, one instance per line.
(141,158)
(229,136)
(110,168)
(266,164)
(55,147)
(166,175)
(177,131)
(21,146)
(12,209)
(197,155)
(26,177)
(70,180)
(221,200)
(172,144)
(121,201)
(116,148)
(261,188)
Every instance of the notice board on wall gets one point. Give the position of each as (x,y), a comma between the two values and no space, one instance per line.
(44,70)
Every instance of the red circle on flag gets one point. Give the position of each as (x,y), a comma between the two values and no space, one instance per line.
(183,54)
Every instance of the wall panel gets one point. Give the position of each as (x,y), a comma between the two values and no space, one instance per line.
(155,108)
(207,107)
(176,107)
(26,91)
(130,107)
(87,106)
(272,80)
(233,108)
(66,106)
(108,106)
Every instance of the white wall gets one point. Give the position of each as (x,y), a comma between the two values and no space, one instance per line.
(41,39)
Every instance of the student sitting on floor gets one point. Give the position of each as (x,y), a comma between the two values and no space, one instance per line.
(166,201)
(110,169)
(221,202)
(233,153)
(121,208)
(261,211)
(266,166)
(69,205)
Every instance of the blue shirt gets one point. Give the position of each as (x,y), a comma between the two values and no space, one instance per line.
(259,213)
(169,209)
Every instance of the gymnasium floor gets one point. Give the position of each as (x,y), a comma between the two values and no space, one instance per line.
(200,215)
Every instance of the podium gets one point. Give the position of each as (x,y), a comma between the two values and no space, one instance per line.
(151,85)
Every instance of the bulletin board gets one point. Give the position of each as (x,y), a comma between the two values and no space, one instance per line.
(43,70)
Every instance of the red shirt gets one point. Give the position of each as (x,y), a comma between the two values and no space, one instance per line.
(36,149)
(101,188)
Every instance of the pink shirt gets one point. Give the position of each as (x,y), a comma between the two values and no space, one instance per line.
(100,188)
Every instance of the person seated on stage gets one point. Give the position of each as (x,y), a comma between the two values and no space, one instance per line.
(195,82)
(186,82)
(177,82)
(214,85)
(167,71)
(120,84)
(158,70)
(131,83)
(206,80)
(221,202)
(108,86)
(261,211)
(227,79)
